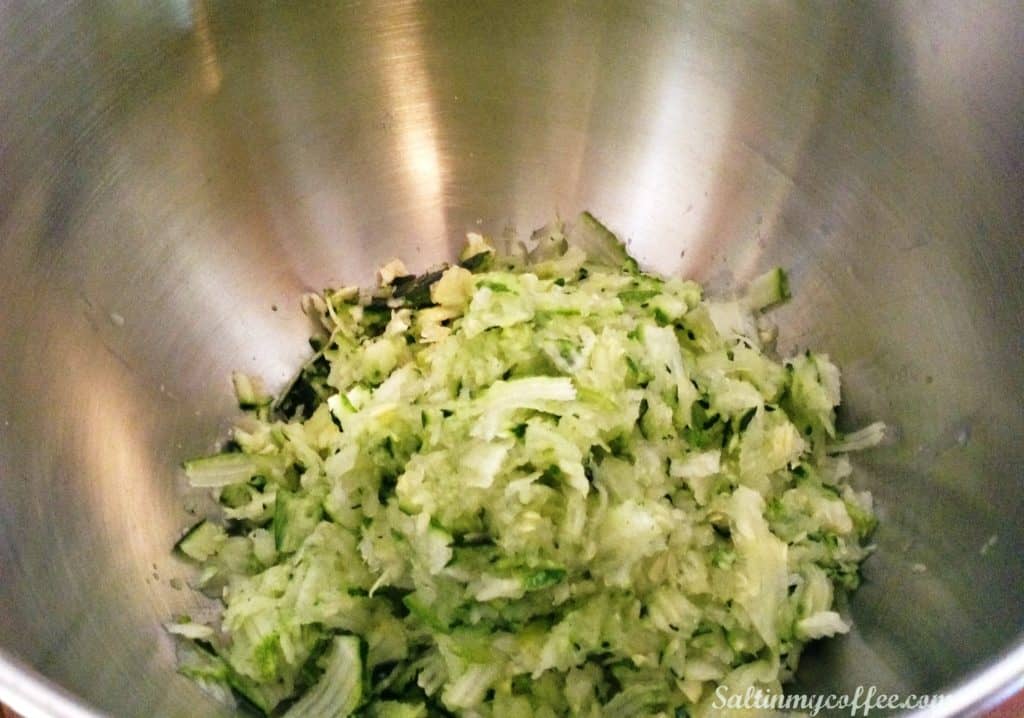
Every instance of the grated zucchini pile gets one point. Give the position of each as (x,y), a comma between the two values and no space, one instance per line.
(540,482)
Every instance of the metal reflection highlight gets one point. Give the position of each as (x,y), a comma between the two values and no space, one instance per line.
(413,115)
(210,73)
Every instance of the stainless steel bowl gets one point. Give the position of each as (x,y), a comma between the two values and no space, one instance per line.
(172,172)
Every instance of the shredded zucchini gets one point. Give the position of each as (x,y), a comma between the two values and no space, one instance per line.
(538,483)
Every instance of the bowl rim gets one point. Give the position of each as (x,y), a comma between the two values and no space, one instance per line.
(33,695)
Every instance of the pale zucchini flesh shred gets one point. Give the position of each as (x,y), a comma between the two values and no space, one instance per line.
(538,483)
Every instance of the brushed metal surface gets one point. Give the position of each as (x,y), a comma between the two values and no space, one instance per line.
(171,170)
